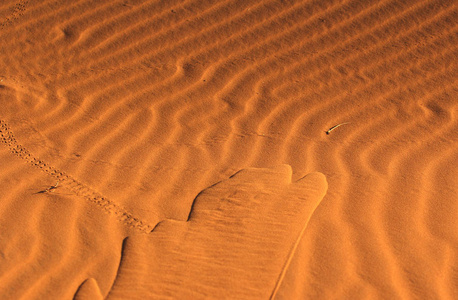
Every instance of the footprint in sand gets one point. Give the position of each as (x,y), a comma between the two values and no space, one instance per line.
(238,241)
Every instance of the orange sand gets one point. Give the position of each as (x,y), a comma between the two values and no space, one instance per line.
(122,124)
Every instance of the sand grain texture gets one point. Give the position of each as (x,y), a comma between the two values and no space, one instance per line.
(237,243)
(138,108)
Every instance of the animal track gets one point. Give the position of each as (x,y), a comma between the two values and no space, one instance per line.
(72,184)
(17,12)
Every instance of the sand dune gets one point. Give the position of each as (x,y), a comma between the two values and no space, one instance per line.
(238,241)
(135,107)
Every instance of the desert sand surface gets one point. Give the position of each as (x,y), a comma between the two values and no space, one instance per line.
(198,149)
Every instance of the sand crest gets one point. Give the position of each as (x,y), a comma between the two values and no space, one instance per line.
(122,122)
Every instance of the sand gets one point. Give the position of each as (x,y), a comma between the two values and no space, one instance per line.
(181,149)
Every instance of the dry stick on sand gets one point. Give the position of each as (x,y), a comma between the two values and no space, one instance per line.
(50,189)
(334,127)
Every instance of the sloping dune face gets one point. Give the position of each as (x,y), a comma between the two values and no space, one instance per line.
(115,115)
(237,243)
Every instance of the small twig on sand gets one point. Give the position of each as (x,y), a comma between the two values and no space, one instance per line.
(50,189)
(334,127)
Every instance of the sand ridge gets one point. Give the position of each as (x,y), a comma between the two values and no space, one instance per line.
(137,106)
(70,183)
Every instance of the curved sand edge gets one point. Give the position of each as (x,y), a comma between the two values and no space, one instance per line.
(145,103)
(239,240)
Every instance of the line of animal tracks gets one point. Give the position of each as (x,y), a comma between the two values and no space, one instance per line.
(65,180)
